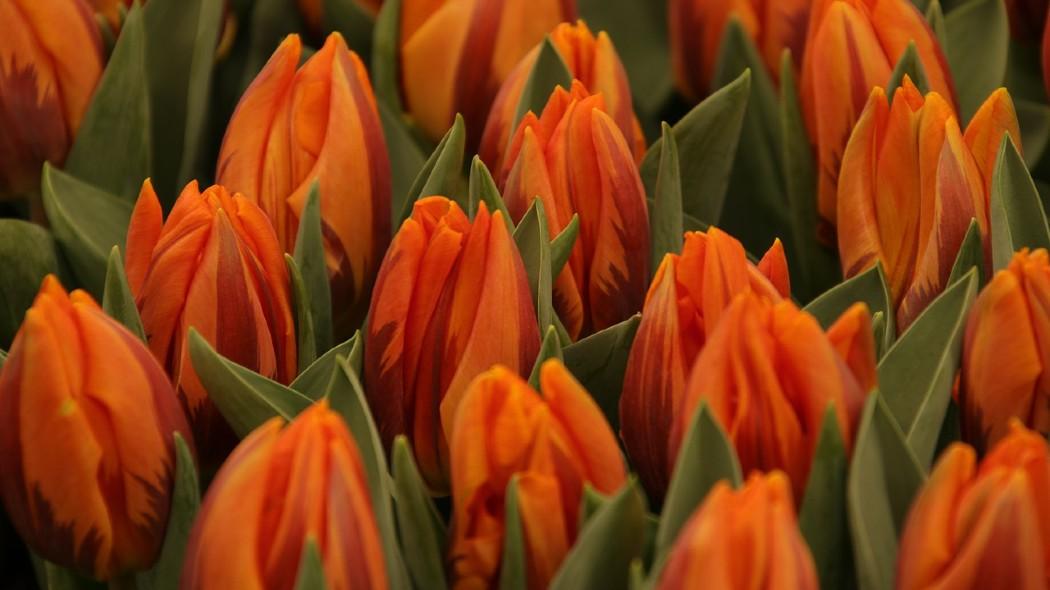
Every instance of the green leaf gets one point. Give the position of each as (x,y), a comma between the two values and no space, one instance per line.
(550,348)
(306,341)
(513,571)
(385,46)
(935,17)
(311,568)
(531,238)
(245,398)
(868,287)
(50,576)
(421,530)
(910,64)
(310,258)
(27,255)
(822,515)
(665,217)
(917,374)
(117,300)
(563,243)
(884,476)
(1016,211)
(612,538)
(270,22)
(707,140)
(112,148)
(481,188)
(548,72)
(971,255)
(185,501)
(978,46)
(406,158)
(1034,120)
(353,21)
(317,380)
(440,174)
(87,222)
(599,361)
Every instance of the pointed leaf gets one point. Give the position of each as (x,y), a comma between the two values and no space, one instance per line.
(868,287)
(310,259)
(481,188)
(550,348)
(311,569)
(665,218)
(317,380)
(117,300)
(513,572)
(306,341)
(385,44)
(599,361)
(548,72)
(1016,211)
(910,64)
(978,35)
(935,17)
(822,515)
(27,255)
(562,245)
(185,501)
(440,174)
(422,531)
(531,238)
(971,255)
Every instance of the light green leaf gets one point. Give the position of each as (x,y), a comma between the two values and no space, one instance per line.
(563,243)
(185,501)
(311,568)
(440,174)
(935,17)
(310,259)
(978,47)
(117,300)
(27,255)
(971,255)
(548,72)
(599,361)
(910,64)
(531,238)
(1016,211)
(665,217)
(822,515)
(513,571)
(550,348)
(317,380)
(306,341)
(422,531)
(481,188)
(868,287)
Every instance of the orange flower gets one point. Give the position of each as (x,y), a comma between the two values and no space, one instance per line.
(552,444)
(697,28)
(576,160)
(769,373)
(1006,353)
(216,266)
(591,60)
(984,526)
(742,539)
(455,54)
(279,489)
(50,61)
(86,445)
(319,123)
(451,300)
(688,295)
(855,45)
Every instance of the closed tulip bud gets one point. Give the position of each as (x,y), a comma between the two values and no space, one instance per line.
(455,54)
(452,299)
(214,265)
(594,62)
(553,444)
(318,124)
(981,526)
(697,28)
(748,538)
(87,423)
(1006,353)
(50,62)
(278,490)
(854,46)
(769,374)
(909,186)
(576,160)
(688,295)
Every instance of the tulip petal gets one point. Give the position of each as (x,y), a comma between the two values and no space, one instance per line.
(147,220)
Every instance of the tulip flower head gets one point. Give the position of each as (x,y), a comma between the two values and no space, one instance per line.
(280,488)
(87,423)
(551,445)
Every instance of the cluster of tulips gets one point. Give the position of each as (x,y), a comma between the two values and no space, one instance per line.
(270,322)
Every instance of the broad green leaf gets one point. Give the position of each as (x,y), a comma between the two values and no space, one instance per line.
(185,501)
(440,174)
(385,46)
(481,188)
(117,300)
(822,515)
(599,361)
(513,569)
(317,380)
(311,568)
(353,21)
(406,158)
(910,65)
(306,341)
(534,246)
(27,255)
(971,255)
(310,259)
(978,46)
(421,529)
(665,217)
(1016,211)
(868,287)
(550,348)
(548,72)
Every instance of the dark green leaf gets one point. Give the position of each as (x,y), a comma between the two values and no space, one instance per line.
(978,46)
(550,348)
(563,243)
(481,188)
(421,530)
(27,255)
(1016,211)
(935,17)
(406,159)
(306,342)
(665,218)
(971,255)
(117,300)
(822,515)
(599,361)
(311,568)
(55,577)
(385,45)
(353,21)
(513,571)
(441,172)
(271,21)
(1034,120)
(531,237)
(185,501)
(868,287)
(310,258)
(548,72)
(317,380)
(910,65)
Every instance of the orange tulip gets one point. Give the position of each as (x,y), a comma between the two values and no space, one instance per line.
(1006,353)
(742,539)
(769,373)
(452,299)
(697,28)
(909,186)
(552,444)
(455,54)
(576,160)
(50,61)
(985,526)
(216,266)
(688,295)
(279,489)
(854,46)
(319,123)
(87,453)
(591,60)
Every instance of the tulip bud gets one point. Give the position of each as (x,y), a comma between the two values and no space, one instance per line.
(576,160)
(318,124)
(591,60)
(854,46)
(50,61)
(452,299)
(455,54)
(279,489)
(1006,353)
(87,453)
(553,444)
(216,266)
(687,297)
(747,538)
(769,373)
(697,28)
(984,526)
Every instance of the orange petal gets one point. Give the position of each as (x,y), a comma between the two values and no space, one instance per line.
(774,266)
(144,230)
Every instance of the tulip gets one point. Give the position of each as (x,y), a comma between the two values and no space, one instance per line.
(576,160)
(769,373)
(591,60)
(697,28)
(551,445)
(451,300)
(280,489)
(455,54)
(215,266)
(742,539)
(318,124)
(312,10)
(1006,353)
(50,62)
(87,454)
(688,295)
(981,526)
(854,46)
